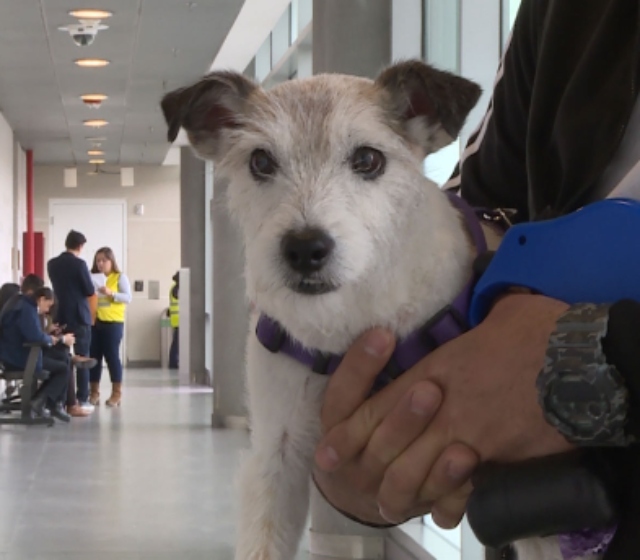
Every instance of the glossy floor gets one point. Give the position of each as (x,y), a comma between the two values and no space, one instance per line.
(150,480)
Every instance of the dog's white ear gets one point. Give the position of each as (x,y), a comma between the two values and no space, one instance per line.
(431,105)
(206,109)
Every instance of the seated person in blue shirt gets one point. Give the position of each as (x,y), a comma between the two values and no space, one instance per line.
(20,324)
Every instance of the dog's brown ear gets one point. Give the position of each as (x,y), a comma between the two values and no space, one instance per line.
(206,108)
(431,104)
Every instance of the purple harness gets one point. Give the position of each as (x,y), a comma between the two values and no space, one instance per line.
(447,324)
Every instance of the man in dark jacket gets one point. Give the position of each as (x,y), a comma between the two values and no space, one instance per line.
(562,129)
(72,286)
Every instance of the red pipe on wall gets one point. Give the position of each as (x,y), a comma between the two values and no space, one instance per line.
(29,245)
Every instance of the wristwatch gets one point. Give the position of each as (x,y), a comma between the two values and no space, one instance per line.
(582,395)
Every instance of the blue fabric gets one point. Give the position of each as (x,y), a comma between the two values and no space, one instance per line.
(20,324)
(174,350)
(105,343)
(72,285)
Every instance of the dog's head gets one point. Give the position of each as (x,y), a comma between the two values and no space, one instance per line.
(325,172)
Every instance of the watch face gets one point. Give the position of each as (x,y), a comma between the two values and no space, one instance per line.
(578,403)
(586,404)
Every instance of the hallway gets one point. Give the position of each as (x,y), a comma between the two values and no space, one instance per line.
(150,480)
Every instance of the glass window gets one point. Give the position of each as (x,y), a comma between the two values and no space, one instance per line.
(509,12)
(441,47)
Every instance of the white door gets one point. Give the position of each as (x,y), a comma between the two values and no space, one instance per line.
(102,221)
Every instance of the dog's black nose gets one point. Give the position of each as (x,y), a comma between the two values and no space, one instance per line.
(307,250)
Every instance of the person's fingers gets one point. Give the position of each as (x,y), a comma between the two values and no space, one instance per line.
(401,426)
(451,471)
(351,383)
(448,511)
(402,482)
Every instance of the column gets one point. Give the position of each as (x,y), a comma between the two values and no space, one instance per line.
(350,37)
(230,317)
(192,252)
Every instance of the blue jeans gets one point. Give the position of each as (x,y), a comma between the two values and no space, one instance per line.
(105,343)
(81,348)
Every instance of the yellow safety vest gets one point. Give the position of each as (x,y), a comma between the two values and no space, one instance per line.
(109,310)
(174,308)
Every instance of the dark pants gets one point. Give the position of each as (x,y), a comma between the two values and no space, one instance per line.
(174,350)
(105,343)
(81,348)
(55,387)
(61,352)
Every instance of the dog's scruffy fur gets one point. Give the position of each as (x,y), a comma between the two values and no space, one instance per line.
(298,161)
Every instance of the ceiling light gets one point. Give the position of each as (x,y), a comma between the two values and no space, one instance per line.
(93,100)
(95,122)
(92,62)
(90,14)
(96,161)
(96,138)
(95,153)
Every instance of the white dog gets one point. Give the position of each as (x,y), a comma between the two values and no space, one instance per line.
(342,233)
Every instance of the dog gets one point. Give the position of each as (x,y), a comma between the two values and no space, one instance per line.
(342,233)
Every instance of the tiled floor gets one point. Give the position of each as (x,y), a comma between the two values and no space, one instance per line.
(148,481)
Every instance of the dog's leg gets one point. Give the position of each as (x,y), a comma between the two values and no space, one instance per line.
(285,401)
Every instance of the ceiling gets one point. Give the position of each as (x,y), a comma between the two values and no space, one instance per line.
(154,46)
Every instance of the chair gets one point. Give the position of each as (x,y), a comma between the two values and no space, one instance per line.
(29,380)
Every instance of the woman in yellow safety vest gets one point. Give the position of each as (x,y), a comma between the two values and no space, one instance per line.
(174,317)
(108,330)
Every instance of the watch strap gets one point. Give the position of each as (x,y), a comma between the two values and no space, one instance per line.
(582,395)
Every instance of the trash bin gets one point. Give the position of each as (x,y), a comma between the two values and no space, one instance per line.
(166,336)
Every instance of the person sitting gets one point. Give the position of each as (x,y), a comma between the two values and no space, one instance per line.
(19,325)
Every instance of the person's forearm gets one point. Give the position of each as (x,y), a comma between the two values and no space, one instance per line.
(123,295)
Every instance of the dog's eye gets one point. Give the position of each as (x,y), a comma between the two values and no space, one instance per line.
(262,165)
(368,162)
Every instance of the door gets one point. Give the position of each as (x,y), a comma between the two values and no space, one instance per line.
(102,221)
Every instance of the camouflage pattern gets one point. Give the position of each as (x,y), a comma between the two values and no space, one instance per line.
(582,396)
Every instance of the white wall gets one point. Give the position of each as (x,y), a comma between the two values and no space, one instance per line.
(153,240)
(19,207)
(6,201)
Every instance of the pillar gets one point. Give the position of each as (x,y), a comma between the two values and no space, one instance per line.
(231,315)
(192,256)
(350,37)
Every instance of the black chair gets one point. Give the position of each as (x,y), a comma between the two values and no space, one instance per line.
(29,379)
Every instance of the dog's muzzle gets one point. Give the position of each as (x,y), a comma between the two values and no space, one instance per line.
(306,252)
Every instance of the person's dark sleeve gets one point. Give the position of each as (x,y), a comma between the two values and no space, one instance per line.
(175,291)
(30,328)
(88,288)
(621,346)
(493,170)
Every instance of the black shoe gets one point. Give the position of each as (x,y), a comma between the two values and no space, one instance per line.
(60,413)
(39,408)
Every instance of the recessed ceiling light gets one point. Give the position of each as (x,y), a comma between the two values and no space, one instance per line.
(93,100)
(95,153)
(90,14)
(96,161)
(95,122)
(92,62)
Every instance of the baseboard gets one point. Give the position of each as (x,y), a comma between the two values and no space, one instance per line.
(144,364)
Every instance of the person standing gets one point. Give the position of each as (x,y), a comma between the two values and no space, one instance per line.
(72,286)
(108,330)
(174,317)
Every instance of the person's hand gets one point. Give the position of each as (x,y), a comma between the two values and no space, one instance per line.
(487,377)
(104,290)
(69,339)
